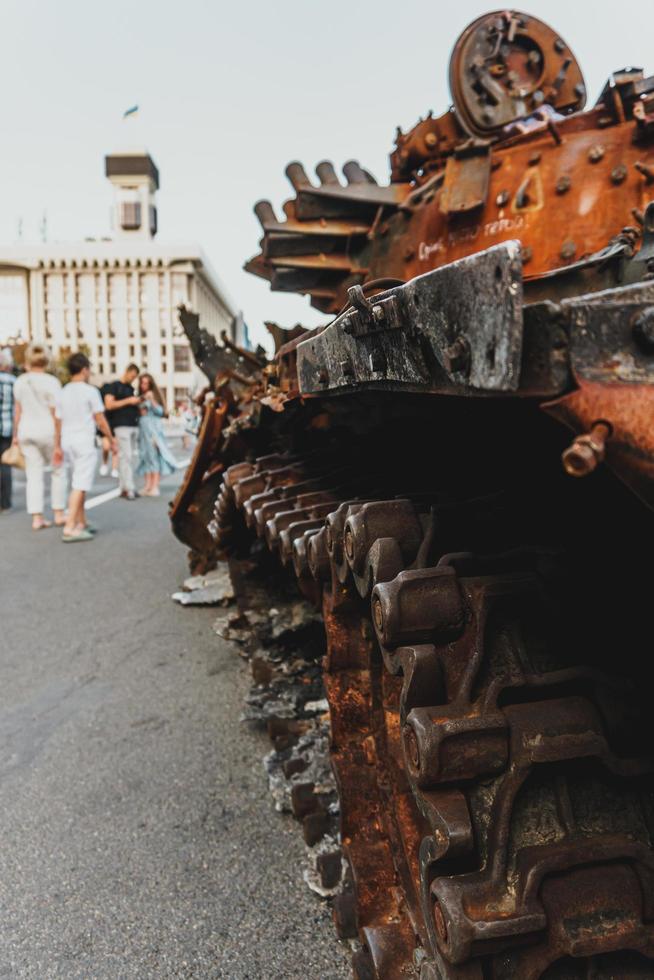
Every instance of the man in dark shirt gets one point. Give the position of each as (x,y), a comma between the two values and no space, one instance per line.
(122,407)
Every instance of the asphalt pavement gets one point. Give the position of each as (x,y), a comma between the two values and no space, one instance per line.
(137,836)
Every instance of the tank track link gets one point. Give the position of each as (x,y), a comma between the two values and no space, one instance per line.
(497,813)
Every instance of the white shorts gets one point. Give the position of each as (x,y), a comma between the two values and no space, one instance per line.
(81,459)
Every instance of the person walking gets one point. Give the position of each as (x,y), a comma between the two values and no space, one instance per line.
(80,410)
(37,431)
(155,458)
(122,407)
(7,381)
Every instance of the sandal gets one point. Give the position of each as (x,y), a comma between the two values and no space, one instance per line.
(41,526)
(76,536)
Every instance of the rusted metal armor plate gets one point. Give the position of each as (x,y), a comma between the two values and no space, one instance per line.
(609,334)
(455,327)
(465,184)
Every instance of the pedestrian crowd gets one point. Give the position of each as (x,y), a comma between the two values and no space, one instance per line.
(46,427)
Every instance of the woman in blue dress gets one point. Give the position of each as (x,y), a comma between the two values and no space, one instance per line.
(155,458)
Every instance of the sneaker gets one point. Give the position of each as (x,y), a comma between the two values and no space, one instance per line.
(114,473)
(129,495)
(104,470)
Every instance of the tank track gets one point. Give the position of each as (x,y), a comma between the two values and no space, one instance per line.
(497,813)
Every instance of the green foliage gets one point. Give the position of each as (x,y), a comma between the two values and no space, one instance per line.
(59,367)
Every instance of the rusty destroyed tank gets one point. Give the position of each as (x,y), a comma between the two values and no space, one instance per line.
(458,471)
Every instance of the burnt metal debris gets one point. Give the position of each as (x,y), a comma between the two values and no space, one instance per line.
(457,472)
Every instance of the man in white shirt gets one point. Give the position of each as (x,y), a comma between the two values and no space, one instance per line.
(80,410)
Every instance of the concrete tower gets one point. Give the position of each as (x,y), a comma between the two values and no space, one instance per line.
(135,179)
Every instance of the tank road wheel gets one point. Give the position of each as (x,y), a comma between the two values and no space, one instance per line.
(497,813)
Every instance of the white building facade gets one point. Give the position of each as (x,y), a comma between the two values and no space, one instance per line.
(116,298)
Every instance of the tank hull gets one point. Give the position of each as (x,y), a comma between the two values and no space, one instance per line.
(457,472)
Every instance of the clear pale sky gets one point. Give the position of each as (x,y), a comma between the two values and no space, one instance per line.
(229,93)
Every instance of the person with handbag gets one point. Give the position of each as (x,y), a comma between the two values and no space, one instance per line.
(37,431)
(7,381)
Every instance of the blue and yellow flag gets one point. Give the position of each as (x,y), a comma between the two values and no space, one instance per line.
(130,112)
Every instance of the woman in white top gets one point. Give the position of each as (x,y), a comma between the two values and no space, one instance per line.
(37,430)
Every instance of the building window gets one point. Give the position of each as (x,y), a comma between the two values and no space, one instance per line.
(164,366)
(86,319)
(181,394)
(54,289)
(86,290)
(132,350)
(163,350)
(118,289)
(149,290)
(112,367)
(179,283)
(130,215)
(163,295)
(182,358)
